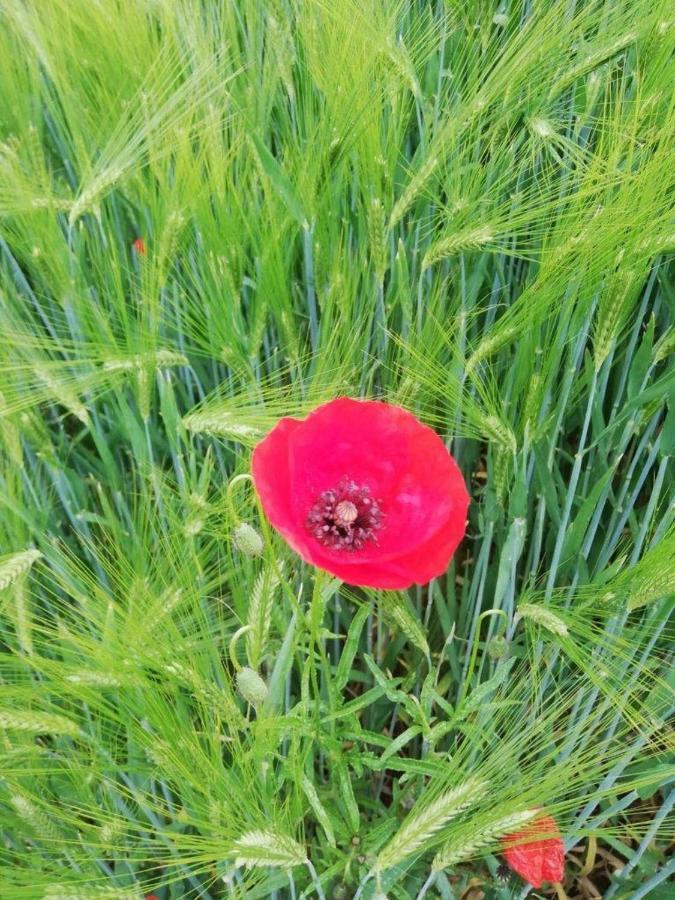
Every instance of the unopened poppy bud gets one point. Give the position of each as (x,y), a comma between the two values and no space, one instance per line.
(251,687)
(247,540)
(497,648)
(537,853)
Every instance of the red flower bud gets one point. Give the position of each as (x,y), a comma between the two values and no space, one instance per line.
(536,853)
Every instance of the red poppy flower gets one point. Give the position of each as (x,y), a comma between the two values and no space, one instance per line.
(139,246)
(536,853)
(364,490)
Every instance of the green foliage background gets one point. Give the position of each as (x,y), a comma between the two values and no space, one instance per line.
(461,207)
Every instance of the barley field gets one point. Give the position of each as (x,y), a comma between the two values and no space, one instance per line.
(217,214)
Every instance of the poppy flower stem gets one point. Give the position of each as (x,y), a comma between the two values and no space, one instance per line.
(316,611)
(232,646)
(315,879)
(278,570)
(229,499)
(427,884)
(364,882)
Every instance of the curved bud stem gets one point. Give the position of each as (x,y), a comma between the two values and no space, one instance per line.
(232,484)
(232,646)
(474,649)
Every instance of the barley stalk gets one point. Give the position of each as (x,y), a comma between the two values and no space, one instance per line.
(23,618)
(469,845)
(499,431)
(260,615)
(415,185)
(377,237)
(666,346)
(532,403)
(281,42)
(397,610)
(12,567)
(169,601)
(470,239)
(543,617)
(421,826)
(62,394)
(611,314)
(268,848)
(220,423)
(490,345)
(502,465)
(34,817)
(161,358)
(37,722)
(66,892)
(100,679)
(211,696)
(12,435)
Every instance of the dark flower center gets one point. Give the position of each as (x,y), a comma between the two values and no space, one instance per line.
(345,517)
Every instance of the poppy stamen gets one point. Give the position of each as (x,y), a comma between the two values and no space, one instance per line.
(346,517)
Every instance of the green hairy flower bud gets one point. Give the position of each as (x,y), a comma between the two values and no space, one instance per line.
(247,540)
(251,687)
(497,648)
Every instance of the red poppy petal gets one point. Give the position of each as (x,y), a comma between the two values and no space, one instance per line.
(425,562)
(270,470)
(346,437)
(403,462)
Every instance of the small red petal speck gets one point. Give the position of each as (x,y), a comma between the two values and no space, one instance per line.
(536,853)
(363,490)
(139,246)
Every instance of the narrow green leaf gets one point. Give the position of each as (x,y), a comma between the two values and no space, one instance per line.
(319,809)
(282,666)
(577,530)
(346,795)
(351,646)
(279,180)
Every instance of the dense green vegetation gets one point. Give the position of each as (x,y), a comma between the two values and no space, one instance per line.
(461,207)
